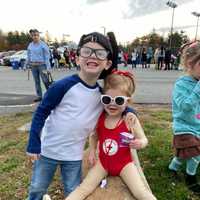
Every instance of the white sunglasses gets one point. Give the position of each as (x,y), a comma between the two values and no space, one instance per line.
(118,100)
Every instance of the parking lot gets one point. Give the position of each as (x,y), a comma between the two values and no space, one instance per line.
(151,86)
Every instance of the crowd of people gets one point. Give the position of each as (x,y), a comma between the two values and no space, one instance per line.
(76,107)
(69,56)
(161,57)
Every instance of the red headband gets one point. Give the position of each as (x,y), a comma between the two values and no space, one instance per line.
(123,73)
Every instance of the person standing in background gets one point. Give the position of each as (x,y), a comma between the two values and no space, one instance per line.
(186,117)
(149,56)
(134,58)
(56,57)
(38,60)
(156,53)
(161,56)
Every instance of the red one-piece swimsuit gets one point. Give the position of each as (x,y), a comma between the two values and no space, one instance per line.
(112,156)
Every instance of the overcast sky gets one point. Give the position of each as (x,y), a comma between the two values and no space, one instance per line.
(127,18)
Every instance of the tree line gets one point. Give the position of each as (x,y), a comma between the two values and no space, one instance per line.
(155,40)
(14,40)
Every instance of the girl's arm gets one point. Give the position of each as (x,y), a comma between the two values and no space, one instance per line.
(184,99)
(140,141)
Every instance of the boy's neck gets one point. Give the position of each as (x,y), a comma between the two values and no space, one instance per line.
(90,80)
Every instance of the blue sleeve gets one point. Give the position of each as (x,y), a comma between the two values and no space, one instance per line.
(46,56)
(128,109)
(186,101)
(28,55)
(51,99)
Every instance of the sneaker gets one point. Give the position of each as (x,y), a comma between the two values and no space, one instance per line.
(37,99)
(46,197)
(174,175)
(192,184)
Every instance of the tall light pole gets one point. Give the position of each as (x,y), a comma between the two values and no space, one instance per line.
(172,5)
(196,15)
(104,30)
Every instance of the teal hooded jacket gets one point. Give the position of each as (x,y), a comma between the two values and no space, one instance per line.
(186,106)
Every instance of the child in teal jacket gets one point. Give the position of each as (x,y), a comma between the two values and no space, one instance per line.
(186,117)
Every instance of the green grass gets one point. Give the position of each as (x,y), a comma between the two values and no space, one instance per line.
(15,172)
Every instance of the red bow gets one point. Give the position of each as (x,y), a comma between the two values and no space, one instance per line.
(123,73)
(189,45)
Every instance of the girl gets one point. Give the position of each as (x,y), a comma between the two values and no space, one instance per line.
(186,116)
(114,155)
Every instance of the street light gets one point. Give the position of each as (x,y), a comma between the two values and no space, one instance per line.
(172,5)
(196,15)
(104,30)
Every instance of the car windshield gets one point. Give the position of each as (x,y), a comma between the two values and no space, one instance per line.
(19,52)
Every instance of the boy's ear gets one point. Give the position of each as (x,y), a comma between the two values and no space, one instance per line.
(109,64)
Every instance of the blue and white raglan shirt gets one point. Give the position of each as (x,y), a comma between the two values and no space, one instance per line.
(64,119)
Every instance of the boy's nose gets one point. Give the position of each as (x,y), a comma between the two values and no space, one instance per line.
(93,55)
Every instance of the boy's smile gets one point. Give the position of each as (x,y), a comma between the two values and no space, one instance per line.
(92,64)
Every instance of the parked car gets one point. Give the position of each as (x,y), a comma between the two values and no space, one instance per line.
(2,54)
(18,59)
(6,59)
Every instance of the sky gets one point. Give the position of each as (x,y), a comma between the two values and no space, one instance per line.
(127,18)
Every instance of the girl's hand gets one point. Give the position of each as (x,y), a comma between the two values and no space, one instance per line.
(32,157)
(136,144)
(92,158)
(130,120)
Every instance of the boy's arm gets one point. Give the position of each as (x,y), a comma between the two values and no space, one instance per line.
(51,99)
(129,110)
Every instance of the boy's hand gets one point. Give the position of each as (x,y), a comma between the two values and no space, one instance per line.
(136,144)
(130,120)
(92,157)
(32,157)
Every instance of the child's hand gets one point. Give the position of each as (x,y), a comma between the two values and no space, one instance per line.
(92,157)
(32,157)
(130,120)
(136,144)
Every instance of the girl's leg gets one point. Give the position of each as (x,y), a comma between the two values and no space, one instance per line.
(131,177)
(192,165)
(92,180)
(191,179)
(175,164)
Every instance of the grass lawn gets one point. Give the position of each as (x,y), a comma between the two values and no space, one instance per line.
(15,171)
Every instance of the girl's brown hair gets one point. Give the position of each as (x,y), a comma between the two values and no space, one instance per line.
(125,83)
(190,52)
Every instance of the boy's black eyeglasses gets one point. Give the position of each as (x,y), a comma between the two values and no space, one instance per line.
(86,52)
(118,100)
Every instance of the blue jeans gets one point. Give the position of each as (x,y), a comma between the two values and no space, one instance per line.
(37,73)
(43,173)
